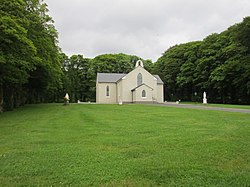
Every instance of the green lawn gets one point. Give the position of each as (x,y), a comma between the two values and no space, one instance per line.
(129,145)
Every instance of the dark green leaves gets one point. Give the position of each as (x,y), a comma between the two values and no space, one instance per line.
(218,65)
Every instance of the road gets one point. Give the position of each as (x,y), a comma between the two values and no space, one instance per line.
(204,107)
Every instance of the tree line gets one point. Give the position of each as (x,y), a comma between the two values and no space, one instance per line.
(219,65)
(30,67)
(33,69)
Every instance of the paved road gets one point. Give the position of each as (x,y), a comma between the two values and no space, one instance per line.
(204,107)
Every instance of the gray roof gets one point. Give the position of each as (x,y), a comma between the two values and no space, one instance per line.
(109,77)
(159,81)
(114,77)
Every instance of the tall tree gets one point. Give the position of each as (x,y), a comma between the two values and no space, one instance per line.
(219,65)
(168,68)
(45,80)
(28,53)
(17,51)
(79,79)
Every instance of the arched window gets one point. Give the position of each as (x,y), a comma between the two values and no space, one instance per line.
(107,91)
(143,93)
(139,79)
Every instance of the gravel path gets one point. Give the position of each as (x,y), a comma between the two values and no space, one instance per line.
(204,107)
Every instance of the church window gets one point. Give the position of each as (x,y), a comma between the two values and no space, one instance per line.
(143,93)
(107,91)
(139,79)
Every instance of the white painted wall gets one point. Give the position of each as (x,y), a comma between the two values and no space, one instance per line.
(130,82)
(160,93)
(121,91)
(138,94)
(101,93)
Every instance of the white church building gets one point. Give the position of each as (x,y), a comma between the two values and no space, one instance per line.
(135,87)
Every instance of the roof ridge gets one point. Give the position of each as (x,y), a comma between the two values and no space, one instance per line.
(140,86)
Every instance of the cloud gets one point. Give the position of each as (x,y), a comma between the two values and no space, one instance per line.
(140,27)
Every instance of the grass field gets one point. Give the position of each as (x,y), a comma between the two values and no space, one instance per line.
(129,145)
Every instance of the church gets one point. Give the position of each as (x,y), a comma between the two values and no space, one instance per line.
(138,86)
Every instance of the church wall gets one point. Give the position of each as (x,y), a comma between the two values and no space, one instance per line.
(119,92)
(130,82)
(160,97)
(101,96)
(138,94)
(97,92)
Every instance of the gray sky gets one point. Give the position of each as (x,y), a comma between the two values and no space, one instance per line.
(145,28)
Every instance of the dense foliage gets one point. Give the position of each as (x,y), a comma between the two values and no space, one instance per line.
(30,69)
(219,65)
(33,69)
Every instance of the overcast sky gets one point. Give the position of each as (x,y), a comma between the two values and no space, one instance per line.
(145,28)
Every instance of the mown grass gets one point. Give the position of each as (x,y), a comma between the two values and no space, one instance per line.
(129,145)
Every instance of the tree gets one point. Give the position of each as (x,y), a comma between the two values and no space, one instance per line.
(17,51)
(218,65)
(168,67)
(243,33)
(28,53)
(48,68)
(79,79)
(185,78)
